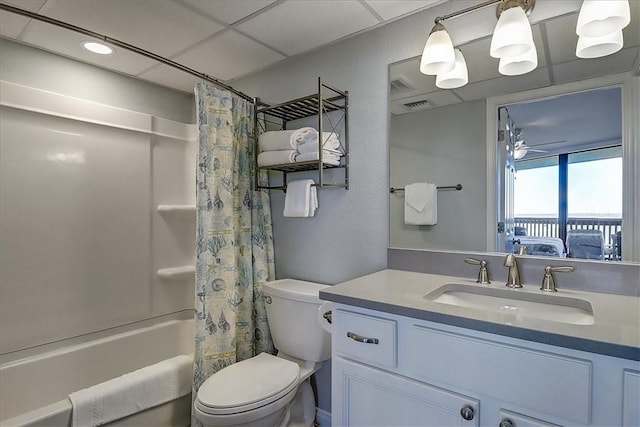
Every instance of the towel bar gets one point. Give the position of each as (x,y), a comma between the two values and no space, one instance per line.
(444,187)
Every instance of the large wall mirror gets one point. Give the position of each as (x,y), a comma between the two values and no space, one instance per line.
(547,160)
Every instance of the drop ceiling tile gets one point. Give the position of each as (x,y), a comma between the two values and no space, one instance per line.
(145,24)
(580,69)
(228,11)
(390,9)
(227,56)
(504,85)
(171,77)
(69,43)
(11,24)
(562,38)
(296,26)
(408,72)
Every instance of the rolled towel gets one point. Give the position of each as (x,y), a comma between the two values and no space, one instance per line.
(309,142)
(279,157)
(329,157)
(283,139)
(133,392)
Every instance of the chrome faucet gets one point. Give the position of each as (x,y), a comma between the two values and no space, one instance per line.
(513,278)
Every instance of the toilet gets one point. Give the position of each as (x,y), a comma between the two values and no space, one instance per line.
(266,390)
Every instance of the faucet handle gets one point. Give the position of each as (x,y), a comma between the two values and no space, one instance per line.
(483,274)
(548,282)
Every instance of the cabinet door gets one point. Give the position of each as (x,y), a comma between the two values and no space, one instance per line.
(368,397)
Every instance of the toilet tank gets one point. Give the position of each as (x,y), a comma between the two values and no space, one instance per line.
(292,311)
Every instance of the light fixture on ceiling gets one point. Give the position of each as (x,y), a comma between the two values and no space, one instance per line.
(457,77)
(512,35)
(438,55)
(512,40)
(595,47)
(601,17)
(521,64)
(98,48)
(599,27)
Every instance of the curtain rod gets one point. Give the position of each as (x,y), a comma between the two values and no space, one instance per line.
(123,45)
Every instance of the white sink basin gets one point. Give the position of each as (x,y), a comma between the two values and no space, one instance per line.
(515,302)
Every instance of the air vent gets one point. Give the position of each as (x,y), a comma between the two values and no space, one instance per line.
(400,85)
(417,104)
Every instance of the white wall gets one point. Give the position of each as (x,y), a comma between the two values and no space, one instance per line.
(80,181)
(428,146)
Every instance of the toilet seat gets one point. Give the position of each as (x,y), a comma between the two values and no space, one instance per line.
(248,385)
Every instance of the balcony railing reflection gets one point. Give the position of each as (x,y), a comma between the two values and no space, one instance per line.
(549,227)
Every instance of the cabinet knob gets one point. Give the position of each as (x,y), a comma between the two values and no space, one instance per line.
(467,412)
(506,422)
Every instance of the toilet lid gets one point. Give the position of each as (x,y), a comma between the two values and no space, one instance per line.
(248,384)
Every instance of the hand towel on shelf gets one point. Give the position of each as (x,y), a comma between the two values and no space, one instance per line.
(421,204)
(278,157)
(329,157)
(133,392)
(283,139)
(309,142)
(300,200)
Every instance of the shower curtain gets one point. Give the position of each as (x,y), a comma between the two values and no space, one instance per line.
(234,239)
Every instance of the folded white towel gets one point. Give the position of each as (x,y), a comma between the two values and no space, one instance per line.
(300,200)
(283,139)
(309,142)
(329,157)
(133,392)
(279,157)
(420,204)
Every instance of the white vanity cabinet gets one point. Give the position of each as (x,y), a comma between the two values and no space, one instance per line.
(390,370)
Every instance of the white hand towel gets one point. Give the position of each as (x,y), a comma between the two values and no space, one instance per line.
(133,392)
(299,198)
(309,142)
(279,157)
(421,204)
(283,139)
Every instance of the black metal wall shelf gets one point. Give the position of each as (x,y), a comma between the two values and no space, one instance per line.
(330,105)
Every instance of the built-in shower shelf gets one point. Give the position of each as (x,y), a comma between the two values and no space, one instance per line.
(177,272)
(176,208)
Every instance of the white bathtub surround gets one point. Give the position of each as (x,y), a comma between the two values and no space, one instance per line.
(132,392)
(234,253)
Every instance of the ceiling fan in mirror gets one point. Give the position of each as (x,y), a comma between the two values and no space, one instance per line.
(520,149)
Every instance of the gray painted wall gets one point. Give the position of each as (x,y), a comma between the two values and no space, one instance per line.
(428,146)
(37,68)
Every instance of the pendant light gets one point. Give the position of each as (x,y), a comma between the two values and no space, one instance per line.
(438,56)
(595,47)
(455,78)
(512,35)
(601,17)
(517,65)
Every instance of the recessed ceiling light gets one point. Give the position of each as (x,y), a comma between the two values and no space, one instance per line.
(98,48)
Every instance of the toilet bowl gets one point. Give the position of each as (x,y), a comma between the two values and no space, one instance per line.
(267,390)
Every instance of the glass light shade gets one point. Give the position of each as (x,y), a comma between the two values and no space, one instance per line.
(519,153)
(438,56)
(457,77)
(98,48)
(516,65)
(601,17)
(512,35)
(595,47)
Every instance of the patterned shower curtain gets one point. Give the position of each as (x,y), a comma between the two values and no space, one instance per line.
(234,252)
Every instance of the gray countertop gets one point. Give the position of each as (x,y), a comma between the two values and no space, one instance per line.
(615,331)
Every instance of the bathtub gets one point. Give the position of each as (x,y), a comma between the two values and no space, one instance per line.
(34,388)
